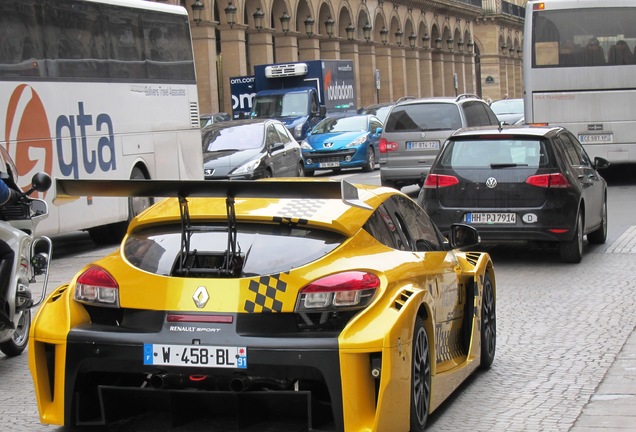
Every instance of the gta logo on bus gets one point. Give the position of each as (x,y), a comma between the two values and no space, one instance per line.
(27,123)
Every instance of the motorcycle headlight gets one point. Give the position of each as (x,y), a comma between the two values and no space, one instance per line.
(248,167)
(358,141)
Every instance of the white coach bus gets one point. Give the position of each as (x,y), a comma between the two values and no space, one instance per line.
(579,72)
(99,89)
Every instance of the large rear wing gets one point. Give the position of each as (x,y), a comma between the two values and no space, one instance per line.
(70,190)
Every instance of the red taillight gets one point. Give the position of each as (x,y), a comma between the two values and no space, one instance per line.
(354,289)
(96,286)
(434,181)
(557,180)
(387,146)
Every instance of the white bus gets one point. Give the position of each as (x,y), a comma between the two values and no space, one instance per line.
(99,89)
(579,72)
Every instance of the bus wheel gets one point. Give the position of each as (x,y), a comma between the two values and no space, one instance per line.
(114,233)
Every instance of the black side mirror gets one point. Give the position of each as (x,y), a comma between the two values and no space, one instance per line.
(601,163)
(463,236)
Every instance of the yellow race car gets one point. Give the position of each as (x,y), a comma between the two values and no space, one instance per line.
(332,306)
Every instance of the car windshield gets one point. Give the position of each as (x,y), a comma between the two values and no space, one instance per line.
(240,137)
(283,105)
(380,112)
(343,124)
(495,153)
(156,249)
(507,106)
(424,117)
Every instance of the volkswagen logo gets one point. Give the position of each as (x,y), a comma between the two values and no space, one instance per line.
(491,182)
(328,144)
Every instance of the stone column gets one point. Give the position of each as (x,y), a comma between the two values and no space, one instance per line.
(330,49)
(460,69)
(308,49)
(438,73)
(413,78)
(398,66)
(286,47)
(261,48)
(204,45)
(349,51)
(449,72)
(426,73)
(234,60)
(383,62)
(366,75)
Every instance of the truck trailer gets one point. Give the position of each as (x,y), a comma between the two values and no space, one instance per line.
(300,94)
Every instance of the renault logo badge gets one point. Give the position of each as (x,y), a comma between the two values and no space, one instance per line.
(491,182)
(201,297)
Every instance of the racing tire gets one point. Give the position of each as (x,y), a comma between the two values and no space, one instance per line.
(599,236)
(572,250)
(20,339)
(420,377)
(369,165)
(488,325)
(114,233)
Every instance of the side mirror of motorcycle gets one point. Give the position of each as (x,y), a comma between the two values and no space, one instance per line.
(40,182)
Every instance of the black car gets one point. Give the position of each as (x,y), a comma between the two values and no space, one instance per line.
(519,183)
(250,149)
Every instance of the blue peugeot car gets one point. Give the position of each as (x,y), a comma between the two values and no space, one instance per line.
(345,142)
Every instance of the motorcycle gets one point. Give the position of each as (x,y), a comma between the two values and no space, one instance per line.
(23,257)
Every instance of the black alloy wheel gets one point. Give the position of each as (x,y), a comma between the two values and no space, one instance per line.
(488,324)
(420,377)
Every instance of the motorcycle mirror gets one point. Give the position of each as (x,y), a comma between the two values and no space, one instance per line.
(40,182)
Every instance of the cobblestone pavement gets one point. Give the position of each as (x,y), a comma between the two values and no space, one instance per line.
(566,349)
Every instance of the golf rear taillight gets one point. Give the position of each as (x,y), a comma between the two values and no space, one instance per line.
(434,181)
(557,180)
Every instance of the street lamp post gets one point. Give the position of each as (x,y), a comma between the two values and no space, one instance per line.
(230,14)
(197,9)
(284,22)
(258,19)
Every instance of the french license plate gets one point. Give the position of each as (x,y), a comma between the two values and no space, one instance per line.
(596,138)
(195,355)
(329,164)
(422,145)
(491,218)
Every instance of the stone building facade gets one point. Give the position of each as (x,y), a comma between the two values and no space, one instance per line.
(416,48)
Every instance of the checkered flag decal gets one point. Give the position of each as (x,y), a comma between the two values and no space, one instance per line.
(298,211)
(265,289)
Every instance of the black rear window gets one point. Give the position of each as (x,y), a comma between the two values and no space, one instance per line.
(482,153)
(424,117)
(266,249)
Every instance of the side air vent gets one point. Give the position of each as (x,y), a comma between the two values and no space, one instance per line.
(194,115)
(57,295)
(473,257)
(402,298)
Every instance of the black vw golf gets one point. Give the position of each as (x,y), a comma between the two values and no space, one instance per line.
(516,183)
